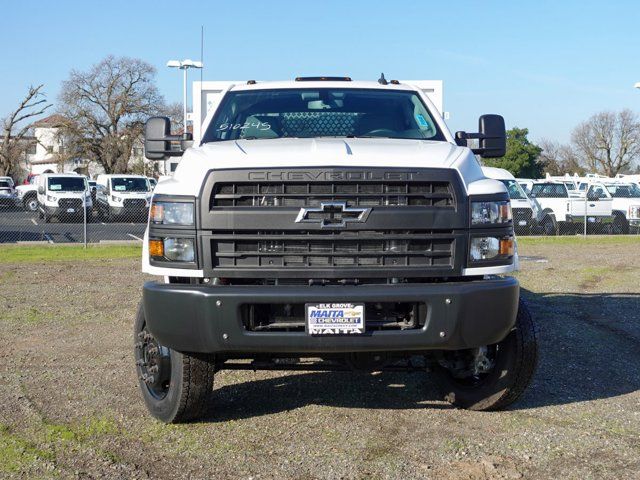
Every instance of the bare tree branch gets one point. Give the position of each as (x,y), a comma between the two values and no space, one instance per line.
(13,146)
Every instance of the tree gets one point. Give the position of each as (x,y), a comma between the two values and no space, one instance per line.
(558,159)
(15,128)
(106,108)
(521,158)
(608,142)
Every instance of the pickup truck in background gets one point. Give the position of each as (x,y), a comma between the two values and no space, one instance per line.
(563,212)
(625,198)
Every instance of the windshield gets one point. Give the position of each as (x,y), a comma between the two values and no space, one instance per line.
(4,184)
(514,189)
(624,191)
(129,184)
(322,112)
(66,184)
(549,190)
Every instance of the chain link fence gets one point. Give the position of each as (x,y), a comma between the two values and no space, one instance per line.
(25,221)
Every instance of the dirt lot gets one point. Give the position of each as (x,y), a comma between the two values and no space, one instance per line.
(70,405)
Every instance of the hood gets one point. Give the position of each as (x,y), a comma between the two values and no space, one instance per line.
(319,152)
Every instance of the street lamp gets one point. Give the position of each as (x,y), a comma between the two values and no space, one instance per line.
(184,65)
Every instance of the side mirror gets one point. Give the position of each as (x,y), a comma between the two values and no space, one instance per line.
(40,190)
(492,137)
(158,139)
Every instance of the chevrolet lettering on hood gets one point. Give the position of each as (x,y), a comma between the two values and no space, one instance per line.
(331,175)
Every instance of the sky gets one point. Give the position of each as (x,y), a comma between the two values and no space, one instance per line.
(543,65)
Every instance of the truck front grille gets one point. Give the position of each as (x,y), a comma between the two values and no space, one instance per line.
(134,203)
(333,249)
(297,194)
(75,203)
(521,214)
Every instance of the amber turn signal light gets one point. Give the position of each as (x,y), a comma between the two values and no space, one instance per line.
(506,246)
(156,248)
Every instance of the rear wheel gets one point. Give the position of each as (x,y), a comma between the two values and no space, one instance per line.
(491,377)
(176,387)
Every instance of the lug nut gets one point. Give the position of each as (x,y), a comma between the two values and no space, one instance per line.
(218,303)
(153,369)
(138,345)
(153,351)
(141,363)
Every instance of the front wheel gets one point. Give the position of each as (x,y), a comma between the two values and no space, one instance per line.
(30,204)
(176,387)
(491,377)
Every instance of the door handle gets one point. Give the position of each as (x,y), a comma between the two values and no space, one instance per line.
(592,204)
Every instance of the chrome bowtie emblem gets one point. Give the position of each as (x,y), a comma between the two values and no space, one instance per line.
(333,215)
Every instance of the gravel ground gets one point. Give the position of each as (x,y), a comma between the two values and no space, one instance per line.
(70,407)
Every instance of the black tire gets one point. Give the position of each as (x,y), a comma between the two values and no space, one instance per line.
(30,204)
(182,389)
(515,363)
(620,225)
(46,217)
(549,225)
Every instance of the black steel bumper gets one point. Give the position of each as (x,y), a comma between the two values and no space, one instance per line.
(195,318)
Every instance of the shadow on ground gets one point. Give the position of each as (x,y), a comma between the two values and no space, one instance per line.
(589,348)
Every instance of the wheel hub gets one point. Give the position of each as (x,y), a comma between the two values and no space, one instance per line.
(153,362)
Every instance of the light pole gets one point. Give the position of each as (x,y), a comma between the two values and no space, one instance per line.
(184,65)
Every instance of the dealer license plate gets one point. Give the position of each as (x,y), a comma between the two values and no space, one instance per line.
(335,318)
(71,210)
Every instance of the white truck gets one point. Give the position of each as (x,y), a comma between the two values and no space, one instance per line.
(330,219)
(625,202)
(563,212)
(124,197)
(63,196)
(526,213)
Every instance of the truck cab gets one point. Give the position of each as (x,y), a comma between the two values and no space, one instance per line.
(63,196)
(123,197)
(325,218)
(566,212)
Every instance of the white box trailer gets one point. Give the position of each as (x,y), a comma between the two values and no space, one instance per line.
(206,96)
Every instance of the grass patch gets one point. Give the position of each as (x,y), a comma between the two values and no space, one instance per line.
(593,240)
(61,253)
(18,455)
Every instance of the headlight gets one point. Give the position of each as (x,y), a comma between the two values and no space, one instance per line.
(634,211)
(173,249)
(116,199)
(52,199)
(174,213)
(483,213)
(491,248)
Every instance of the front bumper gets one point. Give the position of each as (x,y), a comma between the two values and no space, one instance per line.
(194,318)
(63,211)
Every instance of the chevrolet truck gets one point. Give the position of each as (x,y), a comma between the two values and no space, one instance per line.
(330,224)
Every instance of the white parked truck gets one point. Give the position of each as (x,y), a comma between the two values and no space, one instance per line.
(124,197)
(330,219)
(63,195)
(625,203)
(526,213)
(562,212)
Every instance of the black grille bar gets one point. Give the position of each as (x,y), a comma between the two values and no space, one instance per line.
(251,194)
